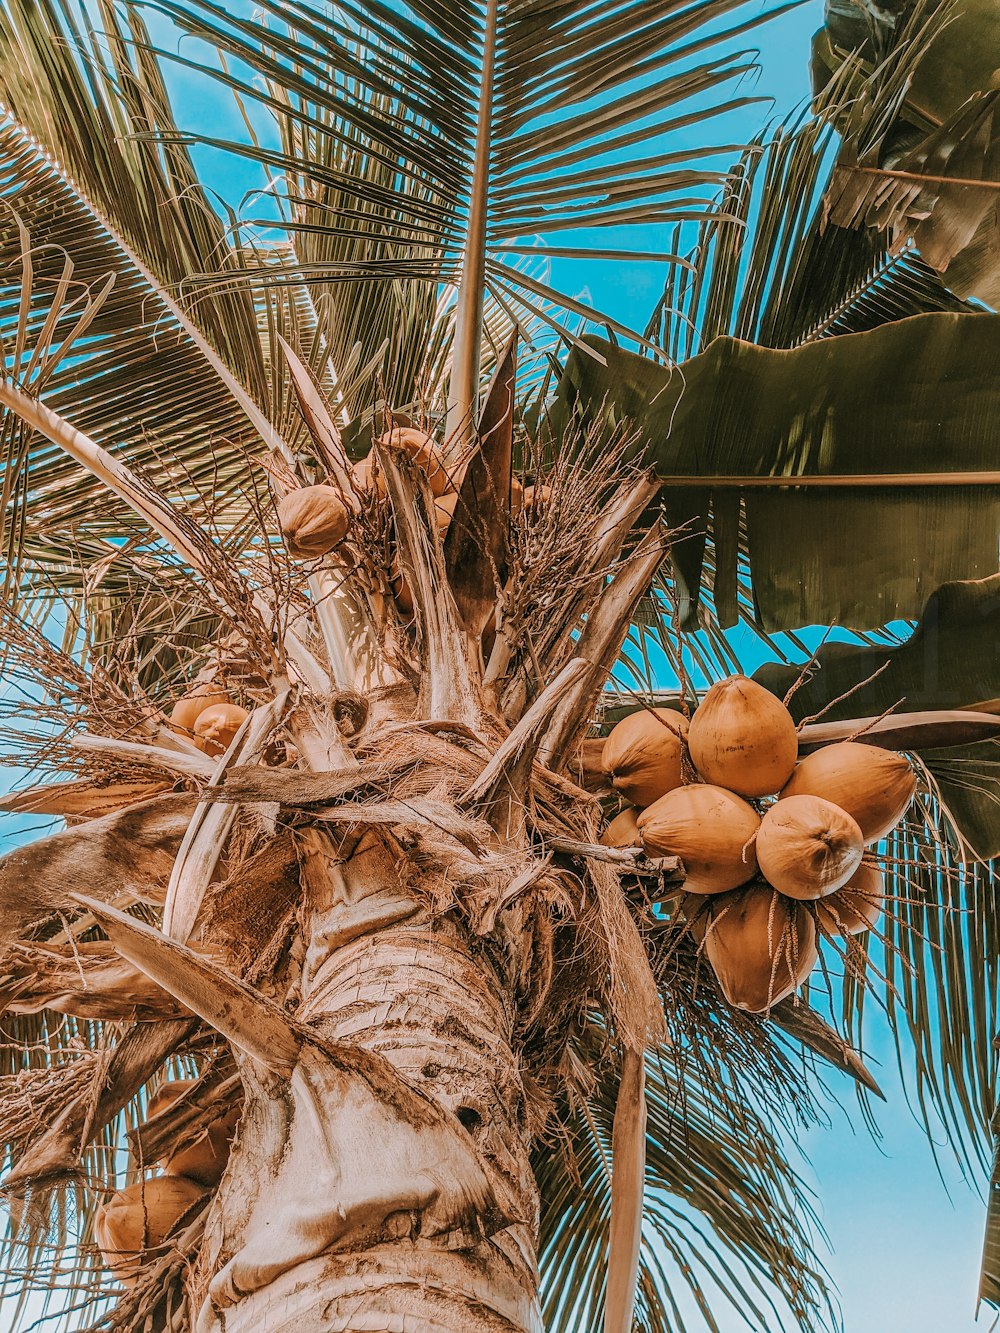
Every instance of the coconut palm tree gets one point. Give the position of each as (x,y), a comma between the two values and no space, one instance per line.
(365,922)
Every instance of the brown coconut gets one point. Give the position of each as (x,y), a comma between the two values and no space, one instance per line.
(216,727)
(313,520)
(138,1219)
(363,473)
(808,847)
(873,785)
(423,449)
(761,946)
(204,1158)
(643,754)
(710,829)
(186,711)
(857,906)
(623,831)
(535,498)
(743,738)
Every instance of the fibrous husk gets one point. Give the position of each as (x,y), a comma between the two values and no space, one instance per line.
(444,512)
(874,786)
(586,765)
(186,711)
(313,520)
(86,979)
(807,847)
(696,911)
(761,946)
(643,754)
(710,829)
(857,906)
(623,830)
(216,727)
(203,1160)
(743,738)
(85,798)
(139,1219)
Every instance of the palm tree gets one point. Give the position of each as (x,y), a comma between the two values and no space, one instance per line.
(375,926)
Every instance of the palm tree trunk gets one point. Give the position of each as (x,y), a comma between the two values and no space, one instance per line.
(328,1221)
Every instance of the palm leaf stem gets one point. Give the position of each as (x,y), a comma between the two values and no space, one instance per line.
(472,286)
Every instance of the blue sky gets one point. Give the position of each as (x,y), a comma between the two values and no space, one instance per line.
(905,1242)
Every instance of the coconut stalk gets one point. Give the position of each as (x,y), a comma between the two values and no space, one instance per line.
(628,1156)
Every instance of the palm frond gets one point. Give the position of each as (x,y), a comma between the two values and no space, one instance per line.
(95,103)
(416,144)
(920,140)
(725,1212)
(89,326)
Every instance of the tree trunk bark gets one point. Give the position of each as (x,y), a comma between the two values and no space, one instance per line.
(350,1222)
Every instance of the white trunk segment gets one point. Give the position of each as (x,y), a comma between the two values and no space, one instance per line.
(338,1212)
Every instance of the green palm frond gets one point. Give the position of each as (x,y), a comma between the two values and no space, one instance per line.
(768,266)
(90,328)
(421,144)
(935,963)
(84,87)
(725,1211)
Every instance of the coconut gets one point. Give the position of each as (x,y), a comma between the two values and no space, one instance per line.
(424,451)
(313,520)
(710,829)
(743,738)
(807,847)
(168,1094)
(186,711)
(363,473)
(857,906)
(535,498)
(216,726)
(761,946)
(139,1219)
(623,831)
(204,1159)
(873,785)
(642,755)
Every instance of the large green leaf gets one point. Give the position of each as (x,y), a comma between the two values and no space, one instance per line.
(912,398)
(936,961)
(951,659)
(940,124)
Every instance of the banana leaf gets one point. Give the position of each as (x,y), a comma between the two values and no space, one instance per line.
(894,169)
(898,407)
(951,659)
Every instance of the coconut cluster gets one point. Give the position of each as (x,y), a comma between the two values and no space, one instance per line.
(315,520)
(208,719)
(776,850)
(133,1226)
